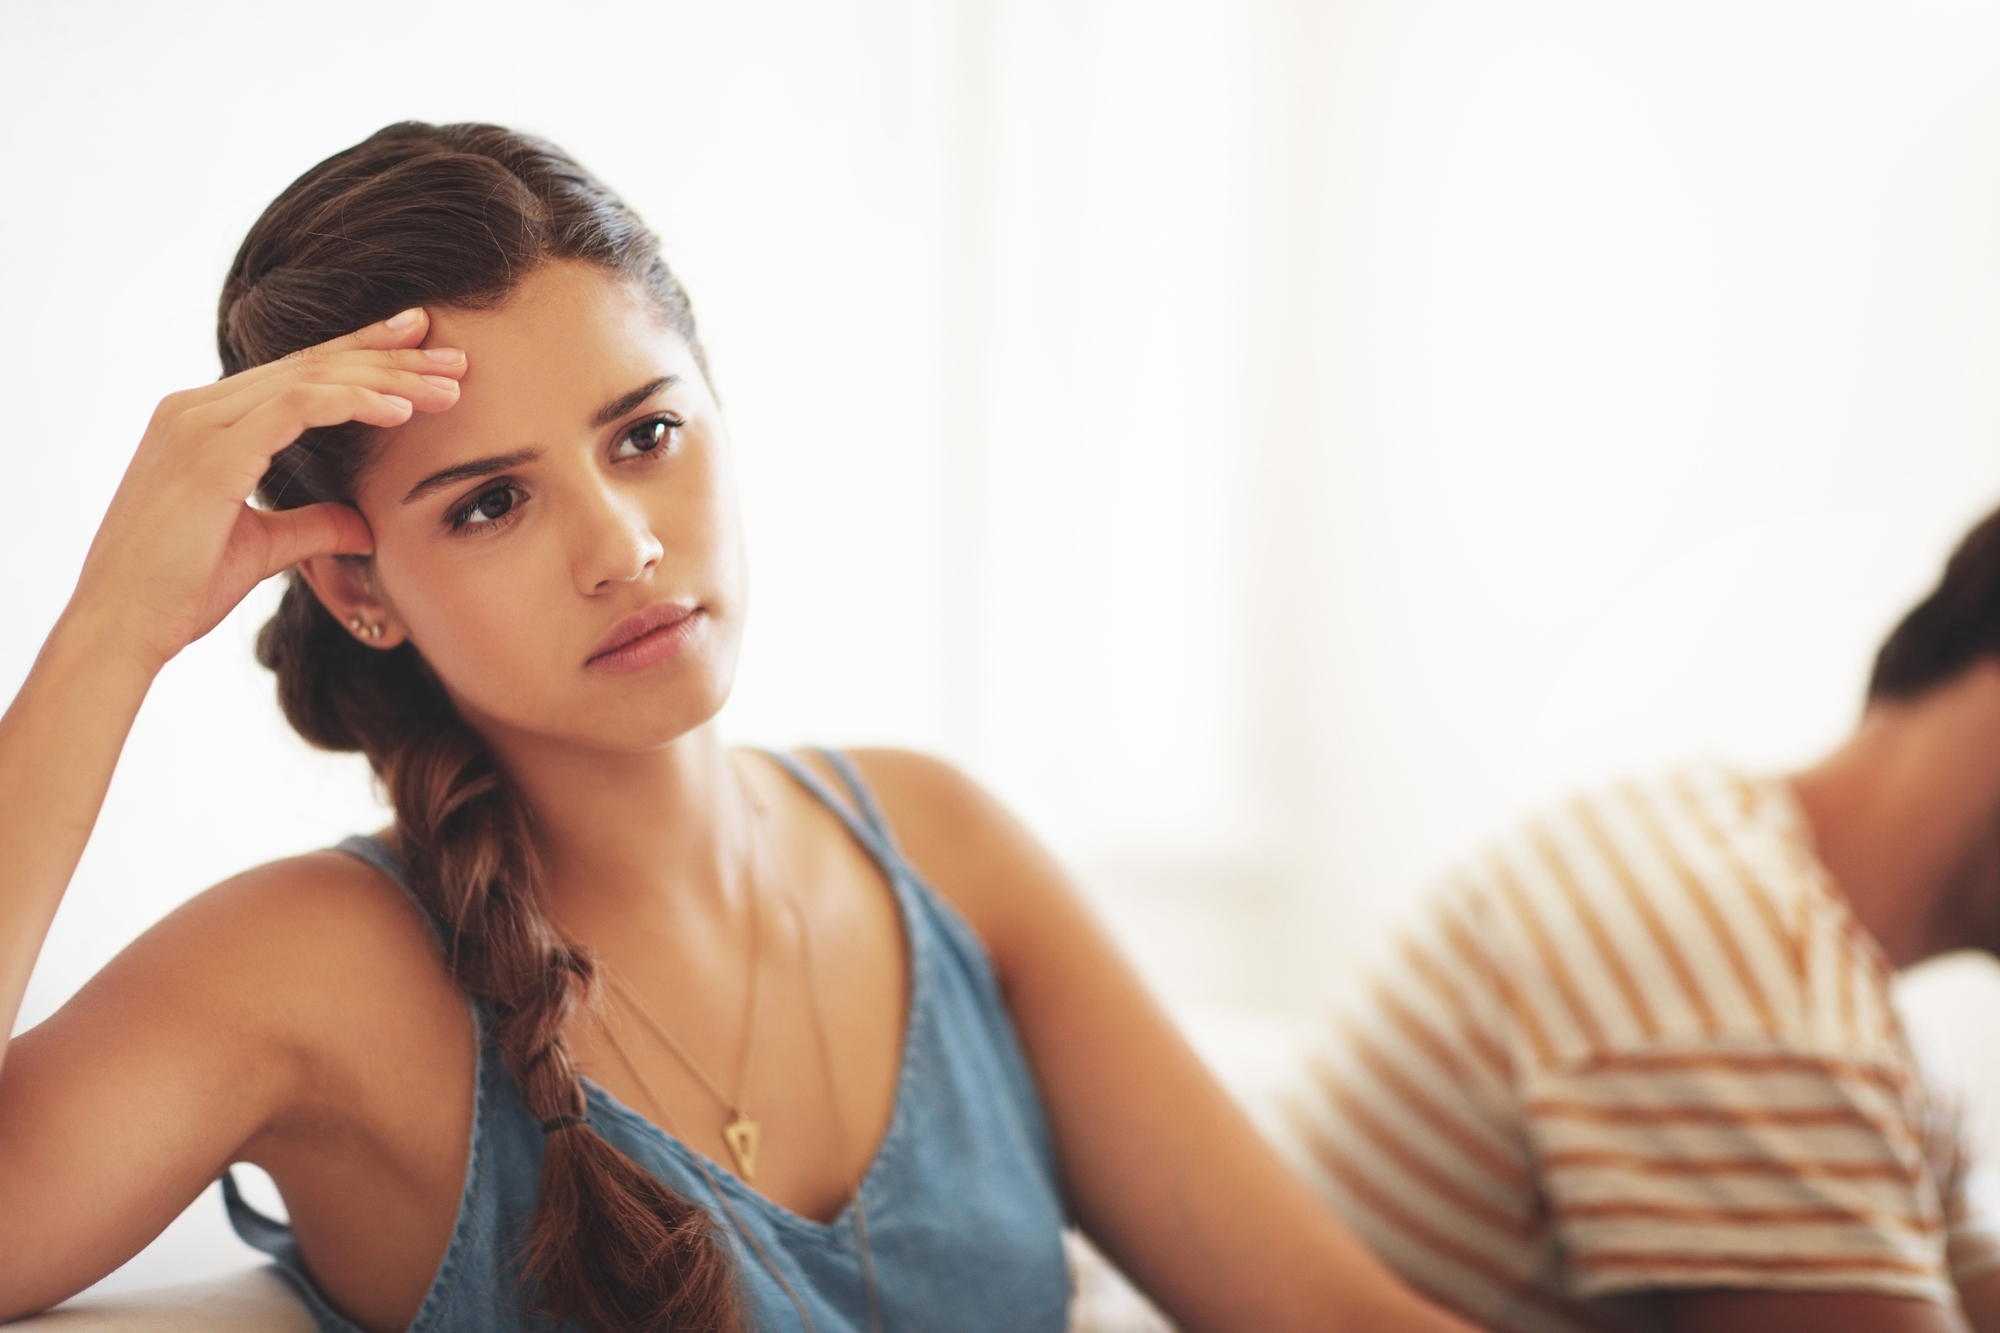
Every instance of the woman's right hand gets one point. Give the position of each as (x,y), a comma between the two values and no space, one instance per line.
(181,545)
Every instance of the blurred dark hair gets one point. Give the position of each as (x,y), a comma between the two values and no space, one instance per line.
(1953,627)
(458,215)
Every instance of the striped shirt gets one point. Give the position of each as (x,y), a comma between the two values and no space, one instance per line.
(1638,1043)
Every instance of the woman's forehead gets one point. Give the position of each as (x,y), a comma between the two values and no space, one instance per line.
(541,367)
(561,313)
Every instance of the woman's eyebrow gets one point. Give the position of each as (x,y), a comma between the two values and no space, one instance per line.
(478,467)
(486,467)
(618,407)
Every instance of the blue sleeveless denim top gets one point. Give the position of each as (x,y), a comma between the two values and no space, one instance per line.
(963,1208)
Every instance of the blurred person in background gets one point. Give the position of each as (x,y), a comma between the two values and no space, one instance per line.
(612,1025)
(1635,1065)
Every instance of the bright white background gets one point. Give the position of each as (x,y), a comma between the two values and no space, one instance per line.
(1272,442)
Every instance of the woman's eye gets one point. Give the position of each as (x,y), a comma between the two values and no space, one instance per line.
(648,437)
(486,507)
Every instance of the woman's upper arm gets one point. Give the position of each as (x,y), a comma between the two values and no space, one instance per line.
(123,1106)
(1163,1170)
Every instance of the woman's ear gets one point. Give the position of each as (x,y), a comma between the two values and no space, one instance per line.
(345,586)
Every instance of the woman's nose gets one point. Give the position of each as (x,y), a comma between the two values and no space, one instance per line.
(615,542)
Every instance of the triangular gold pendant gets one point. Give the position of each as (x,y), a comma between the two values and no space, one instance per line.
(741,1134)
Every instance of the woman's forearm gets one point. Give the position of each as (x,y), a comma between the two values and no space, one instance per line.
(59,743)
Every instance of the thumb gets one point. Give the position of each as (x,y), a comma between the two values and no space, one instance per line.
(292,535)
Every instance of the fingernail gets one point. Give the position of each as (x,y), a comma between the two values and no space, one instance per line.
(446,356)
(404,403)
(441,381)
(397,323)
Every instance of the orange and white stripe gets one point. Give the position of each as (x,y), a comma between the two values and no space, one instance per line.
(1639,1043)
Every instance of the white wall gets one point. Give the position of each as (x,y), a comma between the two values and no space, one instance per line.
(1271,441)
(1664,338)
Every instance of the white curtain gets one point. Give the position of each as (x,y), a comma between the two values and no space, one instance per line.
(1359,420)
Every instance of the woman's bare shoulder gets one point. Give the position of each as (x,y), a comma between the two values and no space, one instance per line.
(299,947)
(322,905)
(966,845)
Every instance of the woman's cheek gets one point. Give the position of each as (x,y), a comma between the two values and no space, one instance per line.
(499,616)
(469,620)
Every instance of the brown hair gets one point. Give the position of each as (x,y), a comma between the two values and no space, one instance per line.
(1954,626)
(458,215)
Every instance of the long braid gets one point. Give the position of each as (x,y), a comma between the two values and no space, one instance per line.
(457,215)
(609,1245)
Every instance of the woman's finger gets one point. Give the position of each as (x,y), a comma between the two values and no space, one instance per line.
(399,332)
(431,386)
(299,534)
(419,360)
(396,333)
(286,414)
(403,329)
(445,362)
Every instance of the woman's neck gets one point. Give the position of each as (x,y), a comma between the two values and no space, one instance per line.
(633,837)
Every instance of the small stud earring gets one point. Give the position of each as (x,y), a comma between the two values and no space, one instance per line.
(363,630)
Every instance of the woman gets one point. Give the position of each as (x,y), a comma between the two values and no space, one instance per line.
(753,1043)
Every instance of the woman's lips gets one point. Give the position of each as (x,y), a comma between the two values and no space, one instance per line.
(646,637)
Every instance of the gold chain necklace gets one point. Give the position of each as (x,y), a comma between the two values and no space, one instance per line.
(742,1134)
(666,1122)
(825,1045)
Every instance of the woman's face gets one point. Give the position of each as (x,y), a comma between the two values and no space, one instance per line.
(563,545)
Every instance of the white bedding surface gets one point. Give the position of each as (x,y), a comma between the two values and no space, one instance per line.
(248,1302)
(256,1302)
